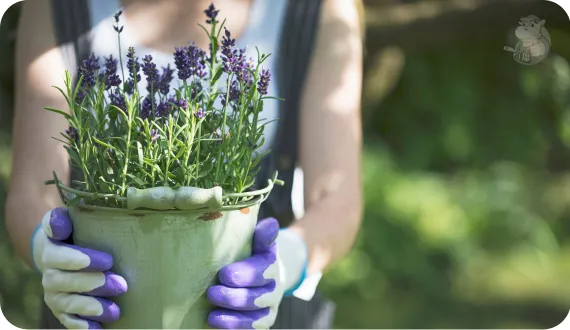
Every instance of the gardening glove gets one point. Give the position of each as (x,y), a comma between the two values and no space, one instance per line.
(74,278)
(251,290)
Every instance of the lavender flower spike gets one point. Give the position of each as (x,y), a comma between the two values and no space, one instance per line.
(71,132)
(211,13)
(118,100)
(133,65)
(88,69)
(199,114)
(165,79)
(152,75)
(146,108)
(182,103)
(118,28)
(182,63)
(263,82)
(111,72)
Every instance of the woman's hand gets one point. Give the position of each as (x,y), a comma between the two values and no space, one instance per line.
(251,290)
(74,279)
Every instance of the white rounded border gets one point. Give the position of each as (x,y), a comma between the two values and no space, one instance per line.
(5,4)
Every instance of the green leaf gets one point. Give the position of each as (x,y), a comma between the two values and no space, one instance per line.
(103,185)
(118,110)
(273,98)
(205,169)
(64,142)
(203,28)
(107,145)
(217,76)
(65,96)
(137,180)
(73,201)
(66,115)
(181,153)
(74,156)
(255,162)
(236,157)
(140,154)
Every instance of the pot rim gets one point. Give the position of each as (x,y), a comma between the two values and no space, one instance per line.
(249,199)
(81,207)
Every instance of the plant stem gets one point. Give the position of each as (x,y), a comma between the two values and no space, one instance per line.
(153,173)
(121,58)
(128,151)
(237,137)
(219,160)
(169,151)
(198,149)
(190,132)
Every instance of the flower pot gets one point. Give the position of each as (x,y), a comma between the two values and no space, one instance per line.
(168,258)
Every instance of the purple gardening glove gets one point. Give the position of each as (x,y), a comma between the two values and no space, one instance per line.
(74,279)
(251,290)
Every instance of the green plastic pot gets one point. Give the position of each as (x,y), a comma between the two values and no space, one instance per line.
(168,258)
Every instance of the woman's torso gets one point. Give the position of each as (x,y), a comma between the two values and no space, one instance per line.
(262,28)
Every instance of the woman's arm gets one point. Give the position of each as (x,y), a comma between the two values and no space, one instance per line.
(330,142)
(39,65)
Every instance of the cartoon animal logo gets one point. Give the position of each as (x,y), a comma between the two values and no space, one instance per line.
(533,41)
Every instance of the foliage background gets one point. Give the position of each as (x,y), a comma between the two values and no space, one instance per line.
(466,178)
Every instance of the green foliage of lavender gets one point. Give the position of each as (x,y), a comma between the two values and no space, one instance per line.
(120,137)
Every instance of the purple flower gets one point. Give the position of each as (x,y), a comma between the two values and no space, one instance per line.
(117,15)
(182,103)
(197,59)
(182,63)
(244,71)
(111,72)
(164,108)
(130,86)
(197,88)
(154,136)
(88,69)
(199,114)
(72,133)
(211,13)
(118,100)
(146,107)
(229,56)
(118,28)
(151,73)
(80,96)
(227,42)
(133,65)
(165,79)
(263,82)
(189,61)
(234,93)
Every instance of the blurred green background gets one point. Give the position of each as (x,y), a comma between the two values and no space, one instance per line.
(466,174)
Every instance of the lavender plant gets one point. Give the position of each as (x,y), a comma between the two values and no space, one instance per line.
(166,135)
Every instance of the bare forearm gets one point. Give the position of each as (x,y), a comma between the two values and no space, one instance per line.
(329,229)
(24,211)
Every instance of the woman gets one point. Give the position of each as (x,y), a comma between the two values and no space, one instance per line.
(321,112)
